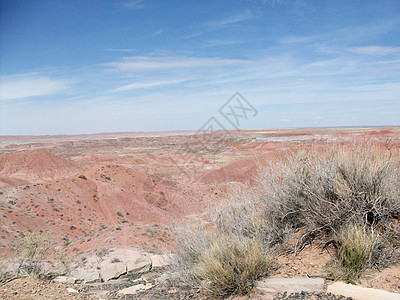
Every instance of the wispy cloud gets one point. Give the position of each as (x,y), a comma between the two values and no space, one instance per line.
(141,63)
(239,17)
(25,86)
(275,2)
(375,50)
(118,50)
(133,4)
(143,85)
(223,22)
(297,39)
(216,43)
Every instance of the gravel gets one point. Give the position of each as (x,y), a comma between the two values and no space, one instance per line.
(311,296)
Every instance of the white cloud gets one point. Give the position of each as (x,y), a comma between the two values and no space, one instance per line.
(142,85)
(25,86)
(141,63)
(375,50)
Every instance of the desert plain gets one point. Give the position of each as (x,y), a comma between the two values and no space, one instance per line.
(127,190)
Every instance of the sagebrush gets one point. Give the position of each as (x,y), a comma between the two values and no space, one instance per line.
(317,194)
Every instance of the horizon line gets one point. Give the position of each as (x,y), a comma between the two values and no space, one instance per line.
(61,135)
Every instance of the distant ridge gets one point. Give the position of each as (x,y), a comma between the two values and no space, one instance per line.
(180,131)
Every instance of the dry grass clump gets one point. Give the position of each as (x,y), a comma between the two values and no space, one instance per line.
(231,265)
(219,264)
(355,252)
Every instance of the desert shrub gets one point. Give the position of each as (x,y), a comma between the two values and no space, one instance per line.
(32,251)
(34,255)
(220,264)
(244,215)
(320,192)
(6,272)
(231,265)
(355,252)
(311,194)
(82,177)
(192,240)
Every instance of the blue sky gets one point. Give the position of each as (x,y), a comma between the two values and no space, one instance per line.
(144,65)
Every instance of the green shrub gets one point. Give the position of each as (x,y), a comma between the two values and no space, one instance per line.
(82,177)
(354,254)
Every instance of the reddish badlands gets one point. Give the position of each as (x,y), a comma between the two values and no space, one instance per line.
(126,189)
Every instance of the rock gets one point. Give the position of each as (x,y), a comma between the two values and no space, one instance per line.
(120,280)
(65,279)
(72,291)
(134,289)
(291,285)
(115,271)
(163,278)
(149,276)
(360,293)
(89,277)
(98,294)
(138,265)
(160,261)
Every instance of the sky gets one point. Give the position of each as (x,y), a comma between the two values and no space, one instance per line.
(91,66)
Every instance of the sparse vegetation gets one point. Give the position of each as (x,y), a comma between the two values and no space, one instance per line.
(316,193)
(82,177)
(31,251)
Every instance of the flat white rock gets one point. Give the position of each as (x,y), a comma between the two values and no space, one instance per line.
(291,285)
(134,289)
(360,293)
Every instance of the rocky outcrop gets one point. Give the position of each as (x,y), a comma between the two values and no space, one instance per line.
(114,272)
(89,277)
(160,261)
(139,265)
